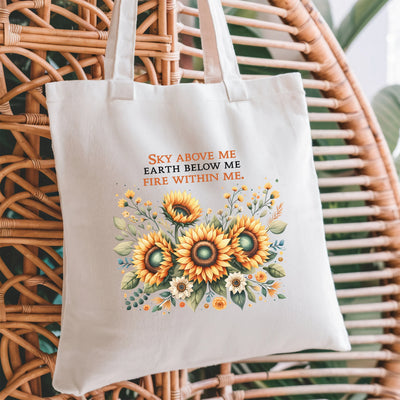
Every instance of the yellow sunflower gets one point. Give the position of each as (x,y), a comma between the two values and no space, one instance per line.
(181,208)
(249,242)
(204,253)
(152,258)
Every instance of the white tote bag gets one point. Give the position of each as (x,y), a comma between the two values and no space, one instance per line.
(193,228)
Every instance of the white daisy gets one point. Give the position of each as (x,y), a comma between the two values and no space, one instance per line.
(236,282)
(181,288)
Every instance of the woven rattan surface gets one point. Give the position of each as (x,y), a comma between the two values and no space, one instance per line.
(360,193)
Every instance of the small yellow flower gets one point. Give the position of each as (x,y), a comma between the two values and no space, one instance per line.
(155,214)
(275,194)
(122,203)
(268,185)
(234,189)
(146,307)
(272,202)
(219,303)
(226,206)
(256,288)
(240,197)
(209,211)
(122,271)
(138,200)
(261,276)
(125,295)
(260,298)
(236,206)
(227,195)
(249,204)
(130,194)
(148,203)
(206,305)
(244,187)
(280,259)
(219,212)
(125,214)
(116,194)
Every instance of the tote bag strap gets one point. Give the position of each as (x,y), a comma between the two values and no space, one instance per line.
(220,63)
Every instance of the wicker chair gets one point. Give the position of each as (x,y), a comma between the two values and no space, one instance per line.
(359,187)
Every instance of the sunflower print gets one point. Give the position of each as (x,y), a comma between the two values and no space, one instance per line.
(181,208)
(249,241)
(172,256)
(204,253)
(152,258)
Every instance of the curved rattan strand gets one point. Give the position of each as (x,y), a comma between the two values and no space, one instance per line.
(356,157)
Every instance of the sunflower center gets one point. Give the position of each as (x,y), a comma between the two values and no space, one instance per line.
(153,259)
(181,287)
(236,282)
(182,210)
(204,253)
(248,242)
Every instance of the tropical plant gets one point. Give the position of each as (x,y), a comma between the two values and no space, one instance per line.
(386,105)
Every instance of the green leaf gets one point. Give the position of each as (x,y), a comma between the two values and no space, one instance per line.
(271,256)
(148,289)
(275,270)
(264,291)
(270,282)
(361,13)
(165,294)
(219,287)
(264,213)
(123,248)
(239,299)
(277,227)
(119,223)
(173,301)
(198,293)
(156,308)
(129,281)
(281,296)
(324,8)
(250,294)
(386,104)
(120,237)
(132,229)
(215,221)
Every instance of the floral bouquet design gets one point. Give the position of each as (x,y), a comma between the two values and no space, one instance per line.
(176,257)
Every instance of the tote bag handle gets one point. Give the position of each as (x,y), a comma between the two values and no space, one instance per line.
(220,63)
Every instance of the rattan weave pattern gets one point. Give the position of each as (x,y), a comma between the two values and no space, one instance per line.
(359,187)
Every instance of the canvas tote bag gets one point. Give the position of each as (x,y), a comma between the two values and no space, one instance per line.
(193,229)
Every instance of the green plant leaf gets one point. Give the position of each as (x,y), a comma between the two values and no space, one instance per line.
(219,287)
(132,229)
(215,221)
(358,17)
(129,281)
(250,294)
(239,299)
(198,293)
(123,248)
(281,296)
(271,256)
(149,289)
(275,270)
(324,8)
(119,223)
(165,294)
(277,227)
(120,237)
(386,104)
